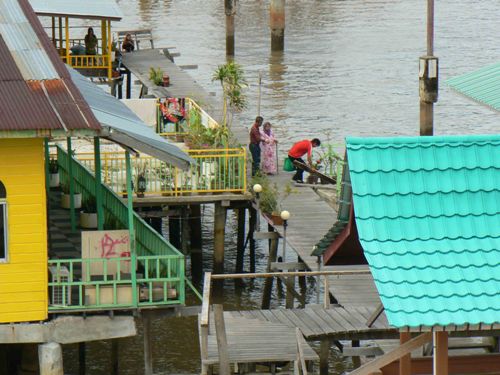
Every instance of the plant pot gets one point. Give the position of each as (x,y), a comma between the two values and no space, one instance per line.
(88,220)
(77,200)
(275,218)
(54,180)
(311,179)
(166,80)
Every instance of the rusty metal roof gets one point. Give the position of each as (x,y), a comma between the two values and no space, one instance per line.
(36,90)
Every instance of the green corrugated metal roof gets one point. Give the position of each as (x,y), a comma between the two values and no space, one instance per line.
(482,85)
(428,215)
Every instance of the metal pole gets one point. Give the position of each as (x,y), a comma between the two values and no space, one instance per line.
(259,94)
(98,184)
(430,27)
(318,281)
(71,186)
(130,209)
(285,224)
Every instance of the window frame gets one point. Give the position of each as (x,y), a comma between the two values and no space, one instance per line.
(3,212)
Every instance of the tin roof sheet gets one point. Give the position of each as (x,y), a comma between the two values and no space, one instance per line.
(107,9)
(127,128)
(36,91)
(428,215)
(482,85)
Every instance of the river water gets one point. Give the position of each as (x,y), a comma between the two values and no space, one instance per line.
(349,68)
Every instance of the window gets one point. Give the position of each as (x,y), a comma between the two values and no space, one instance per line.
(3,223)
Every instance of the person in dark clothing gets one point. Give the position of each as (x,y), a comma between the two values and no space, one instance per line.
(254,145)
(90,42)
(128,43)
(298,150)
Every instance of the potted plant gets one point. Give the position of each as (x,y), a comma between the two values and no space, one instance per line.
(53,173)
(156,76)
(88,215)
(65,198)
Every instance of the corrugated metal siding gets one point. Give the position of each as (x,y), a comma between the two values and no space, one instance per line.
(482,85)
(24,103)
(428,216)
(74,8)
(22,42)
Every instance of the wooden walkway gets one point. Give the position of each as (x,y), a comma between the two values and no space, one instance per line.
(316,322)
(255,341)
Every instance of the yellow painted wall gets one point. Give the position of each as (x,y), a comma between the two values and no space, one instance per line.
(23,278)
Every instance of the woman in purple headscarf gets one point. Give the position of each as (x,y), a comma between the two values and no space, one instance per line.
(268,150)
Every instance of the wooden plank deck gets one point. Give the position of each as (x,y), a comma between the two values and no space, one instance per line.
(310,219)
(253,340)
(316,322)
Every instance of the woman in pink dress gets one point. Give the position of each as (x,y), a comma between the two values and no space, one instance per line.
(268,150)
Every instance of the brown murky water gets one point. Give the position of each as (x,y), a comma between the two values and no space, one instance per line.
(349,68)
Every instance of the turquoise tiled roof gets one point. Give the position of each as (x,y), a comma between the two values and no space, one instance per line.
(428,215)
(482,85)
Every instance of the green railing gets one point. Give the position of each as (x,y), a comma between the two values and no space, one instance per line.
(215,171)
(151,248)
(74,287)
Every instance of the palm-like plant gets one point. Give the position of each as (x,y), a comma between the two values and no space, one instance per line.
(232,80)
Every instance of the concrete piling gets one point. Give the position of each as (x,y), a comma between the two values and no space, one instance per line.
(50,358)
(277,24)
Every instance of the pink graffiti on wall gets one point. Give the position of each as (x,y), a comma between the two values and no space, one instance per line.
(108,246)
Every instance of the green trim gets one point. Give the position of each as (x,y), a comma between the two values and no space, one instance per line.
(71,188)
(130,211)
(98,183)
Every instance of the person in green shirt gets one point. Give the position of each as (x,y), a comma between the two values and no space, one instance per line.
(90,42)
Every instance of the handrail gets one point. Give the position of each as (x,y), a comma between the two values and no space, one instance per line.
(215,171)
(148,241)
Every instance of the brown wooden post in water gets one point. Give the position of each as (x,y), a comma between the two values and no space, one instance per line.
(253,227)
(268,283)
(324,353)
(81,358)
(219,228)
(196,244)
(356,360)
(174,231)
(148,353)
(428,77)
(277,24)
(115,368)
(240,243)
(229,8)
(290,286)
(185,231)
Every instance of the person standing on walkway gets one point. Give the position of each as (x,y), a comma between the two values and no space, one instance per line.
(268,149)
(298,150)
(254,145)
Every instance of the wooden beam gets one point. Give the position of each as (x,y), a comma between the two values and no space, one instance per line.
(220,331)
(298,273)
(205,307)
(394,355)
(405,361)
(300,352)
(440,353)
(373,318)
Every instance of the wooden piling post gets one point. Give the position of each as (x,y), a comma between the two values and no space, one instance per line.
(230,11)
(356,360)
(290,286)
(268,283)
(253,227)
(115,368)
(240,243)
(174,231)
(81,358)
(219,229)
(185,231)
(148,353)
(196,246)
(277,24)
(440,363)
(324,354)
